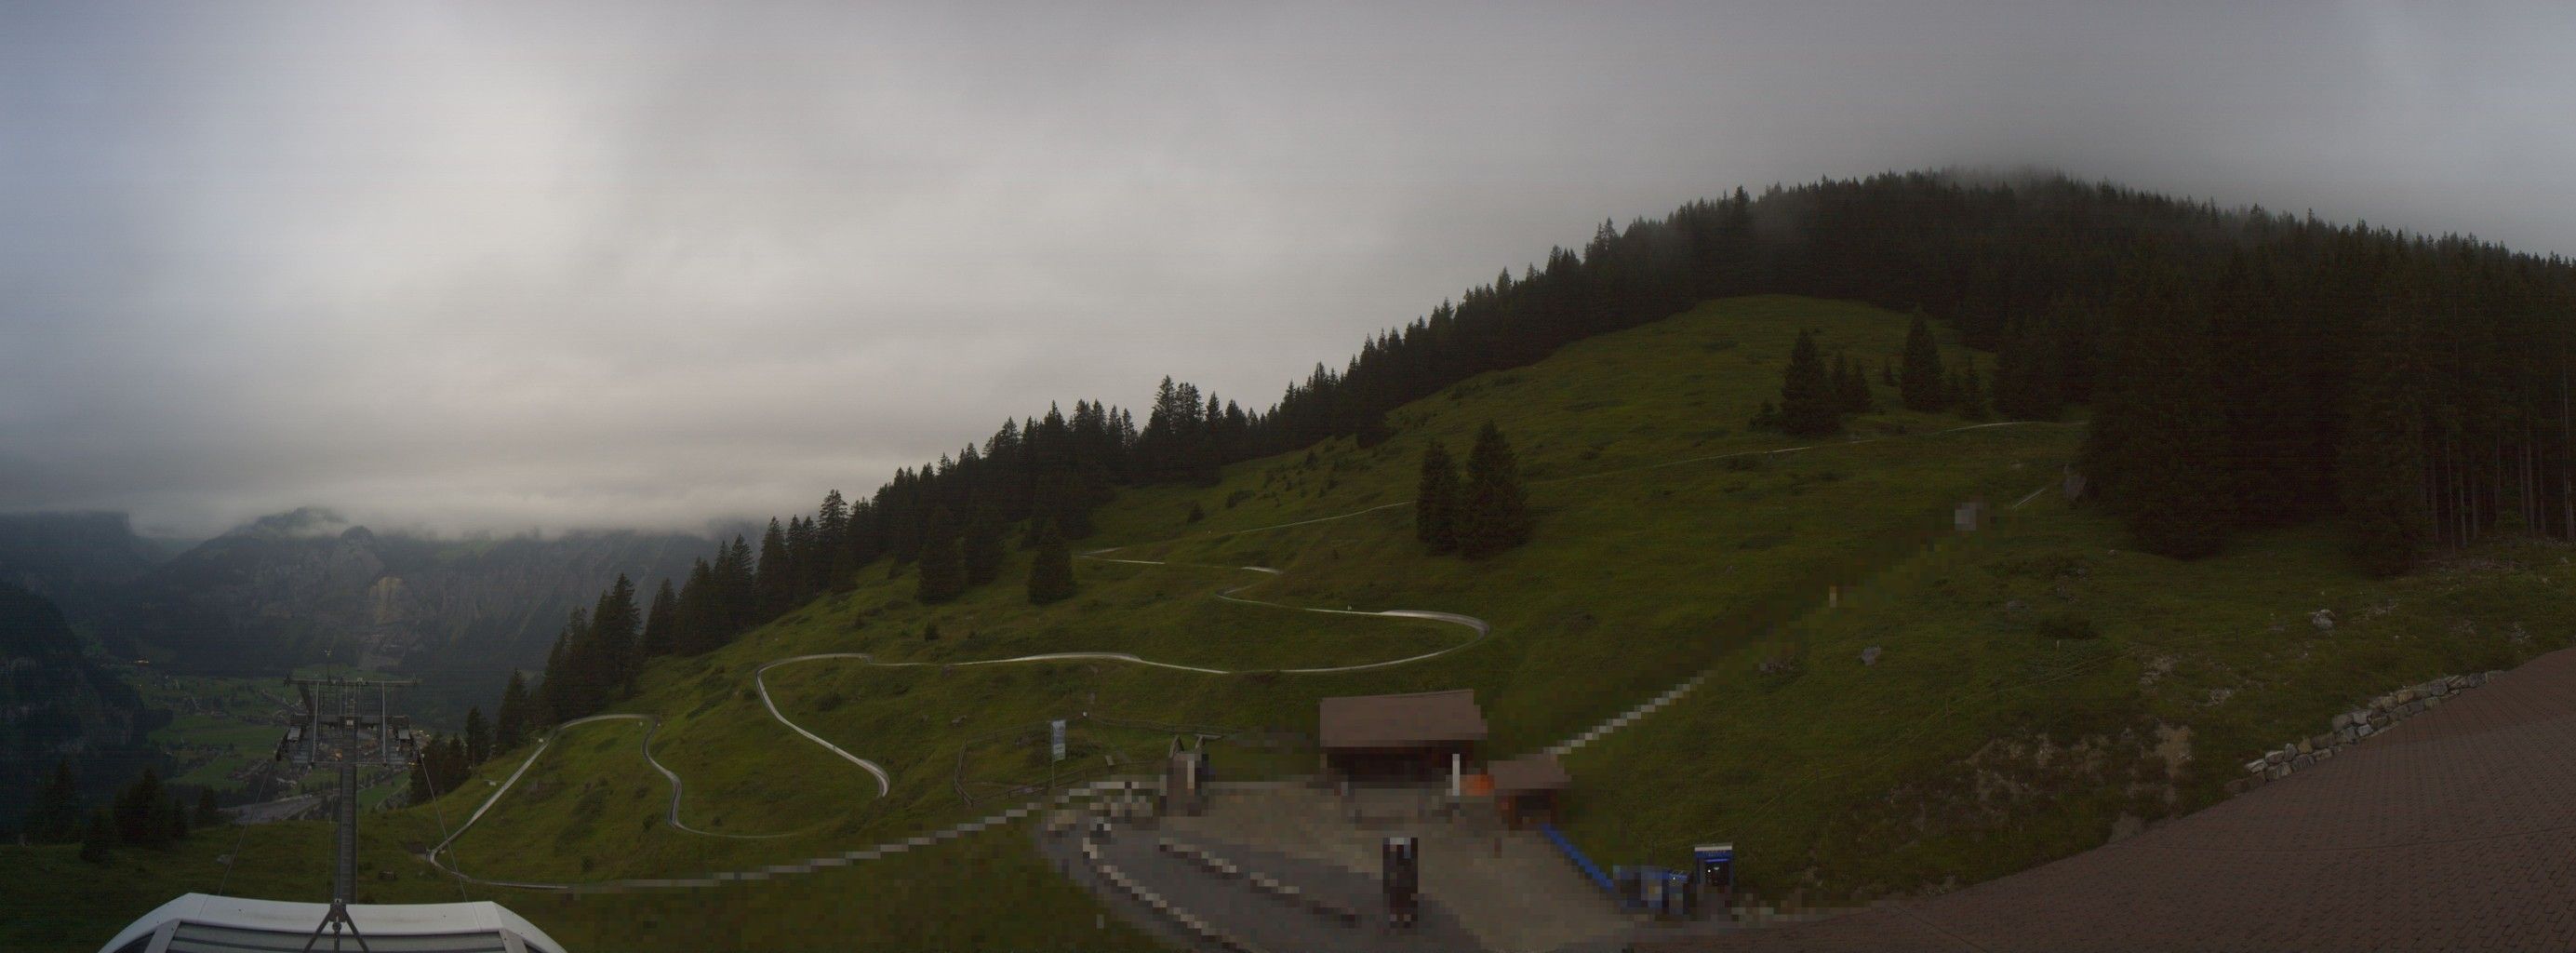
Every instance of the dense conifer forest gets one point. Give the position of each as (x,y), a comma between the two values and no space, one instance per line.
(2243,369)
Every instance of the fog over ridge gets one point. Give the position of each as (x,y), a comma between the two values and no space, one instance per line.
(586,266)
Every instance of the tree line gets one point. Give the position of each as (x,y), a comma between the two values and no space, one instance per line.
(1814,398)
(2244,369)
(144,814)
(1033,484)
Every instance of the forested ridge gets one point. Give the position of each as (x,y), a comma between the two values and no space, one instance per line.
(2244,369)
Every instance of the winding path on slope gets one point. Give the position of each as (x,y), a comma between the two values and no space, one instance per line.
(884,779)
(671,813)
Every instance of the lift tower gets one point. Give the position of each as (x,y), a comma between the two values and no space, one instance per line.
(339,730)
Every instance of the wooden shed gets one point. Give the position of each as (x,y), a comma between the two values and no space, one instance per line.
(1399,737)
(1528,790)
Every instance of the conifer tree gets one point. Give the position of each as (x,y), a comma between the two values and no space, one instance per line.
(1493,514)
(2380,466)
(832,537)
(982,548)
(614,641)
(1808,404)
(478,737)
(97,837)
(807,575)
(777,579)
(1435,503)
(699,624)
(565,690)
(2165,480)
(1969,397)
(209,813)
(1922,385)
(943,570)
(737,592)
(1051,572)
(142,817)
(2026,386)
(55,817)
(661,623)
(510,722)
(1851,387)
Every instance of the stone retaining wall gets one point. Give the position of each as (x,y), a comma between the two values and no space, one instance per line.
(2353,726)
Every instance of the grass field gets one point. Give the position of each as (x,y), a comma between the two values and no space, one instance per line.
(1670,540)
(1985,740)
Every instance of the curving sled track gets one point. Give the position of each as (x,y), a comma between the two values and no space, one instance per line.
(670,814)
(884,779)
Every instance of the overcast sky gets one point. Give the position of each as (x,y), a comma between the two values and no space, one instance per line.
(509,265)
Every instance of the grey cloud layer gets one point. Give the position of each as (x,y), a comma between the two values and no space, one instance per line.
(482,267)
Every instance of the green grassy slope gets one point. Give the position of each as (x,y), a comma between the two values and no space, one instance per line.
(1670,541)
(1981,742)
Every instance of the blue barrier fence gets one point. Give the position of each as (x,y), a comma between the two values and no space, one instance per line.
(1581,862)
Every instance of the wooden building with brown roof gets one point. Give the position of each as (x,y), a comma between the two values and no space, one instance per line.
(1399,737)
(1528,790)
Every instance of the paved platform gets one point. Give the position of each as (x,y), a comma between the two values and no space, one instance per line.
(2454,830)
(1510,889)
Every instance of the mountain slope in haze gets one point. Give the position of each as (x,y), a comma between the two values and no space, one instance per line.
(55,704)
(299,587)
(81,562)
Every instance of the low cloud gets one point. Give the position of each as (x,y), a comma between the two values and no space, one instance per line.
(501,267)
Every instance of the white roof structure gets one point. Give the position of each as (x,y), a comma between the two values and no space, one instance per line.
(201,923)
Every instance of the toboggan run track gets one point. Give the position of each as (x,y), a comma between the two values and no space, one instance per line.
(885,781)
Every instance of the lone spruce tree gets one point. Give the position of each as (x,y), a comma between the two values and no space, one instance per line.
(1808,404)
(1922,385)
(1435,506)
(1051,573)
(1494,513)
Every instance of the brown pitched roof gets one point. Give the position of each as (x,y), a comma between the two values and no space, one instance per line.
(1397,721)
(1538,772)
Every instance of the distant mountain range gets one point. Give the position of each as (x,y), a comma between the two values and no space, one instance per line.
(306,586)
(80,562)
